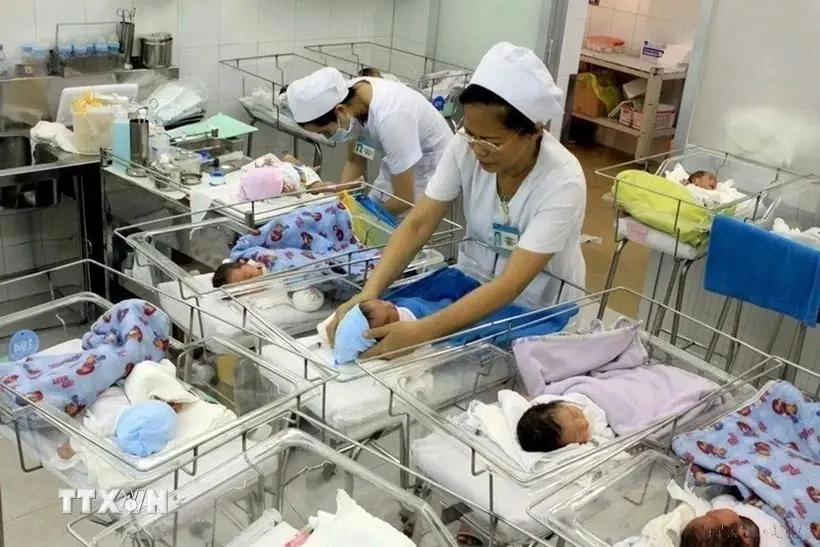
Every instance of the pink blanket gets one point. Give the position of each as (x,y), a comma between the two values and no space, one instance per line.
(611,367)
(635,398)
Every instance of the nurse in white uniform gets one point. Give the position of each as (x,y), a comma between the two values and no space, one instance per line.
(524,198)
(374,115)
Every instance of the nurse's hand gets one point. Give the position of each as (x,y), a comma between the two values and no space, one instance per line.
(341,311)
(396,339)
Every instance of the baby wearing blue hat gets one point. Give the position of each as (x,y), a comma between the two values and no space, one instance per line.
(146,427)
(370,314)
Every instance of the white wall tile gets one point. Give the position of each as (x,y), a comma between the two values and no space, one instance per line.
(156,16)
(277,19)
(312,20)
(269,48)
(50,12)
(600,21)
(644,7)
(346,19)
(16,26)
(97,11)
(377,17)
(238,21)
(411,21)
(623,25)
(607,4)
(230,80)
(630,6)
(199,23)
(201,63)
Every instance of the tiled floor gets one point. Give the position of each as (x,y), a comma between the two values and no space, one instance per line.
(32,513)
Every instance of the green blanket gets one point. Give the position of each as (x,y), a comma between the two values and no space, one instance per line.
(662,204)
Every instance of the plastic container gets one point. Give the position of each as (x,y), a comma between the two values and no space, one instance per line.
(93,128)
(113,45)
(65,50)
(605,44)
(217,178)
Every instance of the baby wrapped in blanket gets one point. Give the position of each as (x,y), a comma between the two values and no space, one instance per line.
(608,367)
(696,522)
(431,294)
(304,236)
(130,332)
(770,451)
(704,187)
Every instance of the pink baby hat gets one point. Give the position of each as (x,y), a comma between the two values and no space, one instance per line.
(261,183)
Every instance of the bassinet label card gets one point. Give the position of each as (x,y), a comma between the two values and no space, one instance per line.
(22,344)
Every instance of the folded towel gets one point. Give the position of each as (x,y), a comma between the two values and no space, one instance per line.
(810,237)
(158,381)
(756,266)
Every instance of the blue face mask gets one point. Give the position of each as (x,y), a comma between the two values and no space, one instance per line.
(342,134)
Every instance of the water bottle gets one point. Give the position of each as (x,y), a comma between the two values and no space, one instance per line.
(4,64)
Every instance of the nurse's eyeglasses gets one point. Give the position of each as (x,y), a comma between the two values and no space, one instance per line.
(486,146)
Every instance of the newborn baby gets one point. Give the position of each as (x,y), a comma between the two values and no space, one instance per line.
(236,272)
(703,179)
(549,426)
(720,527)
(381,312)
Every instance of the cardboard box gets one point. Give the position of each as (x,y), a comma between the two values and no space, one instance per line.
(633,117)
(585,101)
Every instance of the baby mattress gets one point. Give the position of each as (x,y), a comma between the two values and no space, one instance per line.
(360,406)
(283,316)
(447,462)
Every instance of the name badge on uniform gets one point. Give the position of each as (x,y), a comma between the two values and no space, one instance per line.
(505,236)
(364,150)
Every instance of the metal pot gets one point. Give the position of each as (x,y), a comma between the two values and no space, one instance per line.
(155,50)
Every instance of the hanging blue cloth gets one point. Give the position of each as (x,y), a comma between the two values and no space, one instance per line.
(753,265)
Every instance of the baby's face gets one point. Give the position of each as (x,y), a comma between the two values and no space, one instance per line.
(245,272)
(706,180)
(574,425)
(382,313)
(714,521)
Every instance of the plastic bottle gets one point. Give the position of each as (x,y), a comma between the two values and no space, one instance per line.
(217,178)
(4,63)
(39,54)
(28,59)
(65,50)
(100,47)
(80,48)
(121,136)
(113,45)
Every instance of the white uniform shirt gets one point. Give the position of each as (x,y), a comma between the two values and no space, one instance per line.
(548,211)
(407,130)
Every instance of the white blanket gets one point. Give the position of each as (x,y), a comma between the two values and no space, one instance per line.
(499,423)
(724,193)
(810,237)
(350,526)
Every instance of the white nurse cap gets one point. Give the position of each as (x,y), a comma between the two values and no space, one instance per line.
(519,77)
(316,94)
